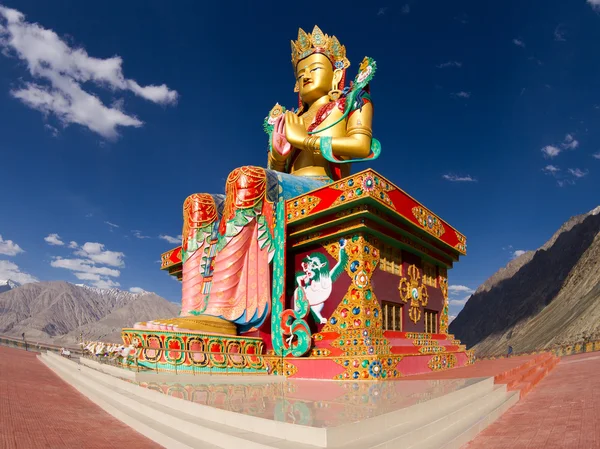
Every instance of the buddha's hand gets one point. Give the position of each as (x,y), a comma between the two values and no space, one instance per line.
(294,130)
(281,147)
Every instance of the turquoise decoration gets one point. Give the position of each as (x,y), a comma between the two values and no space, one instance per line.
(327,151)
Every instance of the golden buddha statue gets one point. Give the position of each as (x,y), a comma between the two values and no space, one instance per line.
(233,242)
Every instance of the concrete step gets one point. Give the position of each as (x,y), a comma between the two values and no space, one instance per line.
(203,431)
(378,430)
(176,423)
(156,431)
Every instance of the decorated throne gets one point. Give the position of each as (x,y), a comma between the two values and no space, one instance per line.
(303,269)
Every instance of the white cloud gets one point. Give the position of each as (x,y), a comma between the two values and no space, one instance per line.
(519,43)
(9,248)
(449,64)
(405,9)
(595,4)
(96,253)
(173,240)
(138,235)
(559,34)
(570,143)
(73,244)
(577,173)
(64,70)
(459,302)
(455,178)
(112,225)
(10,270)
(596,155)
(456,289)
(54,239)
(518,253)
(137,290)
(462,94)
(84,266)
(52,130)
(551,169)
(381,11)
(550,151)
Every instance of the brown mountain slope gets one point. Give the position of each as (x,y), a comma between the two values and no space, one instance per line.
(550,296)
(146,307)
(45,310)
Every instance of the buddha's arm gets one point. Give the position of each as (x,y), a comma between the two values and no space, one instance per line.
(357,142)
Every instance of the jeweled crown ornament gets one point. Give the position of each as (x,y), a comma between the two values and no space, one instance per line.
(319,42)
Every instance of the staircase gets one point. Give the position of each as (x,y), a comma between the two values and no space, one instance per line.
(526,376)
(444,422)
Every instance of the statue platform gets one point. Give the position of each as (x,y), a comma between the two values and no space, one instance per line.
(387,317)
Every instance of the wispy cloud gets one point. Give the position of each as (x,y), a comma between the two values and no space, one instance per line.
(570,143)
(173,240)
(9,248)
(138,235)
(54,239)
(449,64)
(550,151)
(595,4)
(518,253)
(459,302)
(382,11)
(461,94)
(95,264)
(405,9)
(10,270)
(577,173)
(596,155)
(112,225)
(559,34)
(52,130)
(551,169)
(519,43)
(73,244)
(137,290)
(60,73)
(456,289)
(456,178)
(96,253)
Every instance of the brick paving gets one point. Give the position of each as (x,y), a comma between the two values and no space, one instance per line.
(563,411)
(40,410)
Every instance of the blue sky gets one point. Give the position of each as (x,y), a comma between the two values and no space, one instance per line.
(113,112)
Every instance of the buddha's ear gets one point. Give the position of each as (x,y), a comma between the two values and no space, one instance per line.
(337,76)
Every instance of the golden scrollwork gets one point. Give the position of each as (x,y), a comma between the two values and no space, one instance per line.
(428,221)
(462,242)
(411,289)
(302,206)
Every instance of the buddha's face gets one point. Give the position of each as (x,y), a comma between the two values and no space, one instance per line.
(315,76)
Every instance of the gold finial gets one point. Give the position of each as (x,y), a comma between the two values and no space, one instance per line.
(319,42)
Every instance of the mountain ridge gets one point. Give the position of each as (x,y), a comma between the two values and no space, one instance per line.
(542,298)
(60,311)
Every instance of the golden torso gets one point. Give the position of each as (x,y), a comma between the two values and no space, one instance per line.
(308,163)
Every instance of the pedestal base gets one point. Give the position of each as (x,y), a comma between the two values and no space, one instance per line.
(195,352)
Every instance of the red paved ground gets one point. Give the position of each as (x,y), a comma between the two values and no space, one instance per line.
(39,410)
(563,411)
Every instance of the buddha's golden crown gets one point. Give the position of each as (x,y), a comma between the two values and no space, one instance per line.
(319,42)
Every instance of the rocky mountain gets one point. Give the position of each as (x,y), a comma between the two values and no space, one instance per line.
(7,285)
(542,298)
(58,312)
